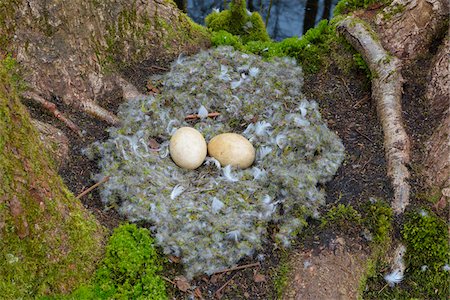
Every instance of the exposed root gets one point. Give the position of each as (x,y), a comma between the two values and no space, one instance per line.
(386,91)
(51,107)
(98,112)
(129,91)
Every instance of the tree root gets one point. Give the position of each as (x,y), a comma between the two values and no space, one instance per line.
(98,112)
(51,107)
(386,91)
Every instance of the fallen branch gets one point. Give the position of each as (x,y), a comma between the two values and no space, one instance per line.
(195,116)
(386,91)
(105,179)
(51,107)
(239,268)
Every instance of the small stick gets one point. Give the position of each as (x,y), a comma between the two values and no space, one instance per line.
(51,107)
(239,268)
(348,89)
(159,68)
(195,116)
(383,288)
(105,179)
(363,135)
(168,280)
(217,293)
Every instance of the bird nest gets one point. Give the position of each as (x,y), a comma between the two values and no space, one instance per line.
(213,216)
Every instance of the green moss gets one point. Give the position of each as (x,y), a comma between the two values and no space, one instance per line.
(8,10)
(342,217)
(59,240)
(346,6)
(129,269)
(237,22)
(393,10)
(426,237)
(362,65)
(280,276)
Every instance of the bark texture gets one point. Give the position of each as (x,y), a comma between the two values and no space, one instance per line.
(437,159)
(71,50)
(436,162)
(438,89)
(407,27)
(386,92)
(48,242)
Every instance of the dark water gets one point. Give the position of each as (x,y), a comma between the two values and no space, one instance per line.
(287,17)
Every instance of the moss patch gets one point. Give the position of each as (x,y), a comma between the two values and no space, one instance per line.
(48,242)
(128,270)
(237,21)
(427,261)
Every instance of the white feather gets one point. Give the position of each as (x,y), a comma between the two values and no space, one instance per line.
(224,73)
(281,140)
(233,235)
(261,128)
(258,173)
(212,160)
(302,108)
(216,205)
(253,72)
(446,267)
(236,84)
(228,175)
(264,151)
(393,278)
(216,10)
(202,112)
(177,191)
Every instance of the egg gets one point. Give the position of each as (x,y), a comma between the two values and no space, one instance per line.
(188,148)
(232,149)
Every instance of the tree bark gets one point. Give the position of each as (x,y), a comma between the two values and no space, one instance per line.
(407,27)
(50,242)
(437,162)
(74,50)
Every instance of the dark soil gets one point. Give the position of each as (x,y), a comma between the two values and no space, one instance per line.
(344,98)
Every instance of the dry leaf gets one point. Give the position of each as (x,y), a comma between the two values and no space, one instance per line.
(174,259)
(259,277)
(198,293)
(154,145)
(182,283)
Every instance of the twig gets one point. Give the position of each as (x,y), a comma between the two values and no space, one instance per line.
(168,280)
(357,104)
(51,107)
(195,116)
(159,68)
(363,135)
(105,179)
(348,89)
(383,288)
(217,293)
(239,268)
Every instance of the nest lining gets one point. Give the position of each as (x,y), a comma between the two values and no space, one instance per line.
(213,216)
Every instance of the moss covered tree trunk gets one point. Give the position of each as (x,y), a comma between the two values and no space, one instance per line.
(48,242)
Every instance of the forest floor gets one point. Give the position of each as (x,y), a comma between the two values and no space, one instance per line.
(344,98)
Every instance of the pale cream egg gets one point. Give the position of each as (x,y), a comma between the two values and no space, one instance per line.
(232,149)
(188,148)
